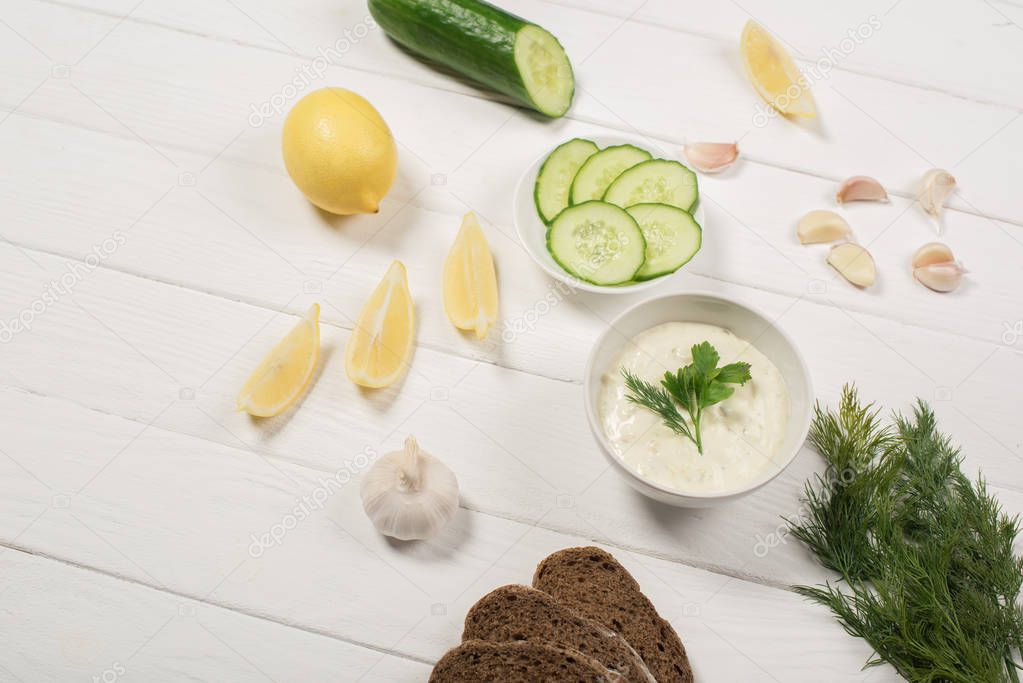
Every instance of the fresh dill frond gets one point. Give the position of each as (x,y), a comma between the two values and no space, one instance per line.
(929,575)
(645,394)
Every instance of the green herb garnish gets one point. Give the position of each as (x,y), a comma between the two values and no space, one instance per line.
(928,574)
(696,386)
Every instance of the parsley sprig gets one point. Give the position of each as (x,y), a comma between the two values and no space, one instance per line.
(694,387)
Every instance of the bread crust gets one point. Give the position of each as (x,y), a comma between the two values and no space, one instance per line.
(592,583)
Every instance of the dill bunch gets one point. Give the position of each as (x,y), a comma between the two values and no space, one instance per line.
(928,574)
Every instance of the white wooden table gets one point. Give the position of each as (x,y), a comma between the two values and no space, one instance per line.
(156,247)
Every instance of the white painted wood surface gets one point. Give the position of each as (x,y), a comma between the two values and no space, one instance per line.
(131,492)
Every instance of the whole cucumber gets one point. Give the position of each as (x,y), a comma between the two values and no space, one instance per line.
(481,41)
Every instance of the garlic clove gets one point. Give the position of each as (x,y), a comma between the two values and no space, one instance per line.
(935,187)
(935,267)
(854,263)
(409,494)
(822,226)
(861,188)
(711,157)
(941,277)
(931,253)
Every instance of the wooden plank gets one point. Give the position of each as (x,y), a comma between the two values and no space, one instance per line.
(62,622)
(909,47)
(868,125)
(123,453)
(934,46)
(197,534)
(210,230)
(160,354)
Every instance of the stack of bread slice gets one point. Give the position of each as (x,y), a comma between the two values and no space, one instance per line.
(584,619)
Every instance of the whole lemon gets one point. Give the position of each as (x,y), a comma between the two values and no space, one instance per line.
(339,151)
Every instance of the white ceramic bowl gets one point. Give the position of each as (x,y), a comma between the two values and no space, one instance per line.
(744,322)
(533,233)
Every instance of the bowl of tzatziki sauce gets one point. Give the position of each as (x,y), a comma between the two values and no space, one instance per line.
(747,439)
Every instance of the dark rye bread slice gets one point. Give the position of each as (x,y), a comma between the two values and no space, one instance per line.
(478,661)
(590,582)
(513,613)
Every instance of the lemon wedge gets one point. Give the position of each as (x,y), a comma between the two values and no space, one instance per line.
(470,284)
(773,73)
(284,373)
(381,343)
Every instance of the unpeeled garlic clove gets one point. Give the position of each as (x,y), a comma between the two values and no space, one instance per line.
(941,277)
(854,263)
(409,494)
(822,226)
(931,253)
(861,188)
(711,157)
(935,267)
(935,187)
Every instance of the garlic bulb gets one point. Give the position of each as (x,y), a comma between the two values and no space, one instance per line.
(409,494)
(711,157)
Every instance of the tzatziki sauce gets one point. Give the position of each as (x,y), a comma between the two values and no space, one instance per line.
(740,434)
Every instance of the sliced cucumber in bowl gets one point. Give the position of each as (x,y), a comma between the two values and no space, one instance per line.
(672,238)
(659,181)
(597,242)
(595,258)
(553,182)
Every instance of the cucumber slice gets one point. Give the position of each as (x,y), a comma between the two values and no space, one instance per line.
(597,242)
(600,170)
(672,238)
(545,70)
(657,181)
(555,177)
